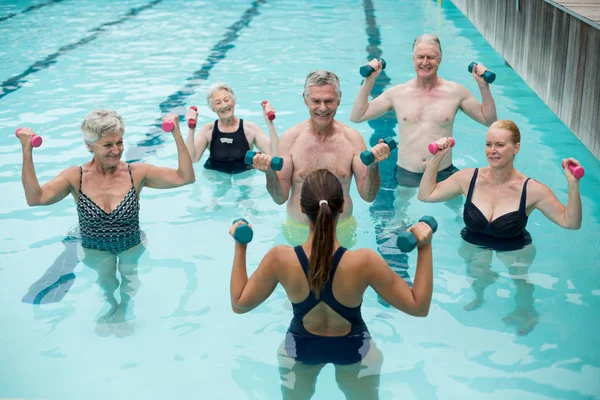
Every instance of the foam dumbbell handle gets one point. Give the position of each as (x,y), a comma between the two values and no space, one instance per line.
(577,171)
(434,148)
(488,76)
(276,162)
(243,234)
(368,158)
(168,126)
(407,241)
(270,114)
(192,122)
(367,70)
(34,141)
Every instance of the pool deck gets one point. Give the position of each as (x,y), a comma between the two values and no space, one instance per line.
(585,10)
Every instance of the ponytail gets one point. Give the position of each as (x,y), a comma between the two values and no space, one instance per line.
(322,198)
(319,264)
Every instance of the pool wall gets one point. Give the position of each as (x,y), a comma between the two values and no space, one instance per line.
(555,50)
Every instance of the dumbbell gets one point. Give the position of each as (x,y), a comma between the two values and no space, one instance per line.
(35,141)
(576,170)
(434,148)
(367,70)
(168,126)
(367,157)
(192,122)
(407,241)
(276,162)
(270,114)
(243,234)
(488,76)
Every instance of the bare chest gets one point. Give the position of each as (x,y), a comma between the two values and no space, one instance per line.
(436,109)
(334,155)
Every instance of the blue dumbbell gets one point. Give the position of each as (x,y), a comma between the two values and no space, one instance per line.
(367,157)
(488,76)
(243,234)
(276,162)
(367,70)
(407,241)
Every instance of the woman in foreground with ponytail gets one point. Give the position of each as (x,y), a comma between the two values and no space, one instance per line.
(326,283)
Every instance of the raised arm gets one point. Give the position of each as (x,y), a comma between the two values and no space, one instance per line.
(279,183)
(568,217)
(432,192)
(166,178)
(367,178)
(484,113)
(258,137)
(362,109)
(247,294)
(54,190)
(393,289)
(197,145)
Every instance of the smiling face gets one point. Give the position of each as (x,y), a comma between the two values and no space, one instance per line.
(108,150)
(223,104)
(427,59)
(499,147)
(322,104)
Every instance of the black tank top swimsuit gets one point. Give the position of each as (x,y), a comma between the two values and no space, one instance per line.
(114,232)
(314,349)
(227,150)
(505,233)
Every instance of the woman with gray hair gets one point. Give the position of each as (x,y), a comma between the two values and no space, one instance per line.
(106,191)
(229,137)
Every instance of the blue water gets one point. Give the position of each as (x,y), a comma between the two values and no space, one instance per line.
(62,59)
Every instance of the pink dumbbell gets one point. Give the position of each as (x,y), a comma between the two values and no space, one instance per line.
(192,122)
(433,147)
(270,114)
(168,126)
(35,141)
(577,171)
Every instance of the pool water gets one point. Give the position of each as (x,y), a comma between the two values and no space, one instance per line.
(61,59)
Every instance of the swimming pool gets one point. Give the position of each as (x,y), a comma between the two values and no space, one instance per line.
(145,58)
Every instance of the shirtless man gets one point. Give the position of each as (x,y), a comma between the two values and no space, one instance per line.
(321,142)
(425,107)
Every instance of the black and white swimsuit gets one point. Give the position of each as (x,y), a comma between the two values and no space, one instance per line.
(114,232)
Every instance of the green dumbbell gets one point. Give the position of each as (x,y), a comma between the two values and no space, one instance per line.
(488,75)
(243,234)
(407,241)
(276,162)
(367,157)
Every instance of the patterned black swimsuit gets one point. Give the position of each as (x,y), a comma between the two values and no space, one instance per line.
(114,232)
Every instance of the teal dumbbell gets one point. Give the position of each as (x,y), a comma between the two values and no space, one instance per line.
(276,163)
(407,241)
(367,70)
(243,234)
(367,157)
(488,75)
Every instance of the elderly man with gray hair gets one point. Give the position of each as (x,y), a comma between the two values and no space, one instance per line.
(425,107)
(321,142)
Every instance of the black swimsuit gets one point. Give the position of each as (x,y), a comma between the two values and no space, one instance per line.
(114,232)
(227,150)
(314,349)
(505,233)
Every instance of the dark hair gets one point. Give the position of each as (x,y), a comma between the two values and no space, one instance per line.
(321,185)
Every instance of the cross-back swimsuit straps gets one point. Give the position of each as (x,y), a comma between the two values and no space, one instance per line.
(505,233)
(227,150)
(114,232)
(314,349)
